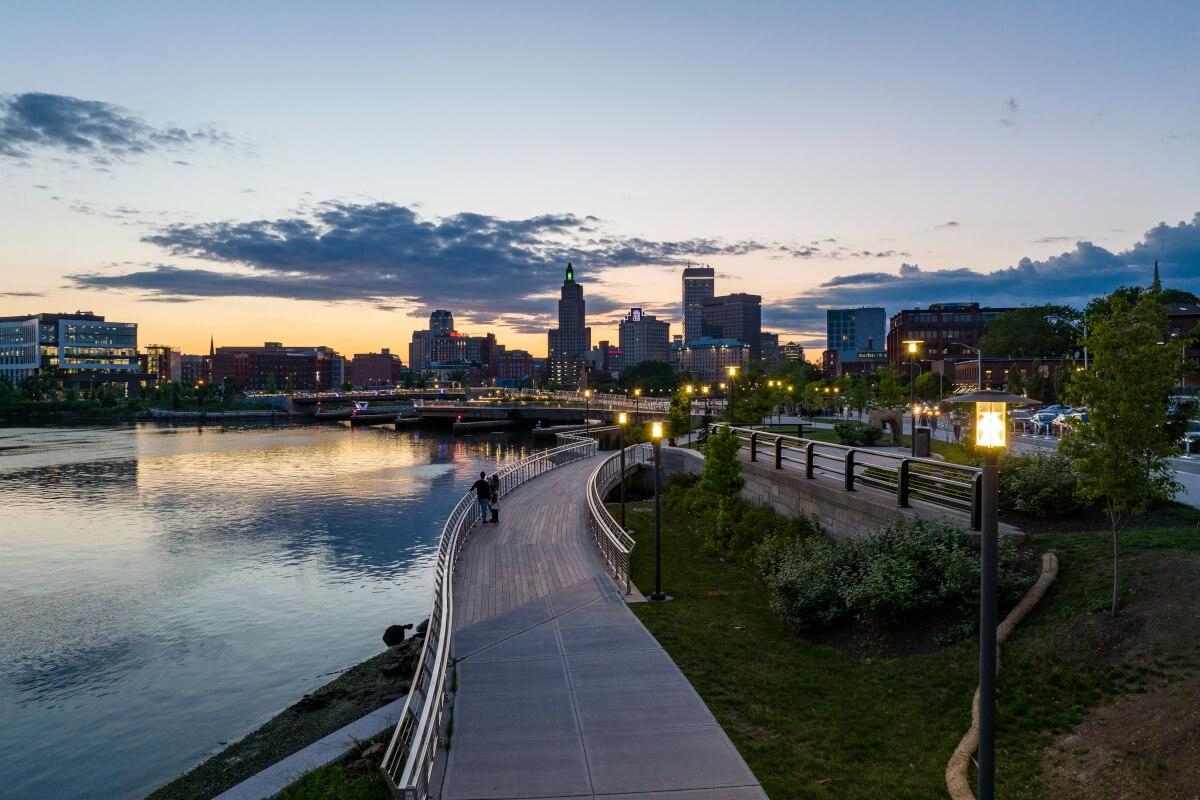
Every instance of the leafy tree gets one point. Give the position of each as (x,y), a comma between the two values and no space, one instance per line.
(1031,332)
(1035,387)
(289,385)
(1016,384)
(679,414)
(856,393)
(347,386)
(722,473)
(1121,451)
(1103,306)
(272,384)
(1062,378)
(929,386)
(889,392)
(649,376)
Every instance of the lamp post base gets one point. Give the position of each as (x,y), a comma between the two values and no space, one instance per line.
(659,597)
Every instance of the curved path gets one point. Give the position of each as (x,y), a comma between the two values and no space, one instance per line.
(560,690)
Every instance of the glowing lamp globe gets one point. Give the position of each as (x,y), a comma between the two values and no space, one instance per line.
(656,430)
(991,424)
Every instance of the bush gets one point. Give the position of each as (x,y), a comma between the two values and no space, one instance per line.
(891,573)
(1040,484)
(857,434)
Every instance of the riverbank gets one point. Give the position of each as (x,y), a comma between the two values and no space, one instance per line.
(358,691)
(67,414)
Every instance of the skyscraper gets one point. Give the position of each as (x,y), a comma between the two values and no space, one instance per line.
(644,338)
(855,333)
(570,341)
(699,284)
(735,316)
(441,323)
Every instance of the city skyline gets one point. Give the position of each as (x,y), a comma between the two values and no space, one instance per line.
(237,201)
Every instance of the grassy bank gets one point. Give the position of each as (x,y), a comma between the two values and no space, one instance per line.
(814,722)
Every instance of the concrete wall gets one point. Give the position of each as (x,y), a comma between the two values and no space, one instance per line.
(842,514)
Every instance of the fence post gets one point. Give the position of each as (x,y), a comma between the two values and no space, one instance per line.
(778,452)
(977,502)
(754,446)
(902,485)
(849,470)
(808,459)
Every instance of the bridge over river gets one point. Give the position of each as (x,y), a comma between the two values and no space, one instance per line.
(558,689)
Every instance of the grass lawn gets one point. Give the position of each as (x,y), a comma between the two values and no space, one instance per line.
(814,723)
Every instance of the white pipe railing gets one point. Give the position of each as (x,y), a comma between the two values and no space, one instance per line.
(614,542)
(411,754)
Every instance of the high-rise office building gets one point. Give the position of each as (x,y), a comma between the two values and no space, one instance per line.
(644,338)
(792,351)
(570,341)
(441,323)
(769,349)
(163,363)
(80,349)
(735,316)
(858,334)
(698,285)
(939,329)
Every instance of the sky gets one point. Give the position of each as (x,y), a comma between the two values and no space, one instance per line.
(330,173)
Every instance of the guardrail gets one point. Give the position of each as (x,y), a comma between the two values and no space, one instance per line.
(953,486)
(409,760)
(619,402)
(614,542)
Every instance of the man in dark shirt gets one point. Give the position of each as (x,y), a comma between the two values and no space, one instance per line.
(483,493)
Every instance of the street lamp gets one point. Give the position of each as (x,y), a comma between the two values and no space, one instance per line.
(622,419)
(990,431)
(637,406)
(656,433)
(587,409)
(910,346)
(689,389)
(732,372)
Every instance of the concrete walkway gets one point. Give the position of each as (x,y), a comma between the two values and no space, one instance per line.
(566,694)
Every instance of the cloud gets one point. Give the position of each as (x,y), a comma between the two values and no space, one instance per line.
(1057,239)
(1009,115)
(99,132)
(945,225)
(1072,277)
(21,294)
(385,254)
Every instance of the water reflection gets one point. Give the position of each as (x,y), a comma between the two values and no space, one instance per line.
(166,588)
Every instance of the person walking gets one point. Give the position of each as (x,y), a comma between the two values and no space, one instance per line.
(494,499)
(483,494)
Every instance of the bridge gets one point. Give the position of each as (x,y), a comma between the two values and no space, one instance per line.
(553,686)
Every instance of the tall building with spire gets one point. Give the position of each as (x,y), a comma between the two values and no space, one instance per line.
(571,340)
(699,284)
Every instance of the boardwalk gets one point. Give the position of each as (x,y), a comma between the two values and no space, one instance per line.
(561,692)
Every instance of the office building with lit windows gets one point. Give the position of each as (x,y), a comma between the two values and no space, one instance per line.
(80,350)
(938,329)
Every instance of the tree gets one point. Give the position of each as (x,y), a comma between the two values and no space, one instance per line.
(722,473)
(347,386)
(1031,332)
(1035,387)
(679,415)
(1121,451)
(1062,378)
(856,393)
(889,392)
(649,376)
(1016,384)
(929,386)
(1103,306)
(272,384)
(289,385)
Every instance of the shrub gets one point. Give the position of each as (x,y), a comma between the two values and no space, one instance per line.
(891,573)
(856,434)
(1040,484)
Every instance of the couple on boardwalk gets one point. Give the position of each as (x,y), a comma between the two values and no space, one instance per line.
(488,493)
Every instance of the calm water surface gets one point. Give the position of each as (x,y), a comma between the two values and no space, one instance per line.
(164,590)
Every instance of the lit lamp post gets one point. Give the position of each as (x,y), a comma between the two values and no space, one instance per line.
(910,346)
(656,433)
(587,409)
(689,389)
(637,406)
(622,419)
(732,372)
(990,429)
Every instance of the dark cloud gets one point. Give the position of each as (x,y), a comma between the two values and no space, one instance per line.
(386,255)
(21,294)
(950,224)
(1009,116)
(98,131)
(1057,239)
(1073,277)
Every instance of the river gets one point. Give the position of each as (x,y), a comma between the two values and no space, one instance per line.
(165,590)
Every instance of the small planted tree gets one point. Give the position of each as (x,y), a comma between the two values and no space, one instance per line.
(1035,387)
(1015,384)
(678,421)
(889,393)
(722,479)
(1121,451)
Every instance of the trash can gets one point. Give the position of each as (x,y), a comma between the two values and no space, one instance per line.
(921,442)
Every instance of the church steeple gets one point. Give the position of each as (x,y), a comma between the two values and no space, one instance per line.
(1156,286)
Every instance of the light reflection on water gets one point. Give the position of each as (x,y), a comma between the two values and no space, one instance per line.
(165,589)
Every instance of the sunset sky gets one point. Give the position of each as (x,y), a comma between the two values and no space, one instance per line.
(328,174)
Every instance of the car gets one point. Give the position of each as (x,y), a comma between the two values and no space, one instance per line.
(1191,437)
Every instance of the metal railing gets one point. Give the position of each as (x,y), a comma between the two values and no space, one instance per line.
(617,402)
(614,542)
(411,754)
(952,486)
